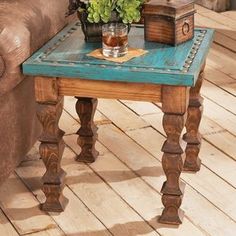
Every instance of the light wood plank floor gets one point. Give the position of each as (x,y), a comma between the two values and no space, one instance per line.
(119,194)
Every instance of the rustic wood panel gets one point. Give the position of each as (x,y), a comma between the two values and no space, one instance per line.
(159,30)
(101,89)
(175,99)
(46,89)
(180,36)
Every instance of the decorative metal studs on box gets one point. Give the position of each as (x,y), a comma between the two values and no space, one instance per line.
(169,21)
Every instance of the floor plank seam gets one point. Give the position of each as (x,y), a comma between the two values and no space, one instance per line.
(108,185)
(234,220)
(214,132)
(231,157)
(151,113)
(181,178)
(230,17)
(149,185)
(193,186)
(165,136)
(216,67)
(231,112)
(98,123)
(223,129)
(86,205)
(39,231)
(114,189)
(223,46)
(197,225)
(209,195)
(220,177)
(219,86)
(219,22)
(35,197)
(129,129)
(9,220)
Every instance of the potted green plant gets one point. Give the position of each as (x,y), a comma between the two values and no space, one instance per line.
(94,13)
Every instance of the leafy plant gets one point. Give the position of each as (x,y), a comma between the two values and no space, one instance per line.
(129,10)
(102,10)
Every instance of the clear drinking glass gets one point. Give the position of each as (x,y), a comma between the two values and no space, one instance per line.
(114,39)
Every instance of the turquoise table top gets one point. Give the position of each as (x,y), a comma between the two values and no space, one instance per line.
(66,56)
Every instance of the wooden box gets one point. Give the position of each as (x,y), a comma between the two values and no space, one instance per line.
(169,21)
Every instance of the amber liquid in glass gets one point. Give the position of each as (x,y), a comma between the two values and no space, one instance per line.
(114,40)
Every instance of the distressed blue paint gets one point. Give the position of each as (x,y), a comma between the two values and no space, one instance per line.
(65,56)
(202,54)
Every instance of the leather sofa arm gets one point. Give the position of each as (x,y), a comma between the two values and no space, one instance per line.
(24,27)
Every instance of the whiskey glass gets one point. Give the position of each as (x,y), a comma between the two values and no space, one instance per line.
(114,39)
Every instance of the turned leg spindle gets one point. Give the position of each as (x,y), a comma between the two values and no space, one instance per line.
(192,136)
(86,108)
(174,106)
(51,150)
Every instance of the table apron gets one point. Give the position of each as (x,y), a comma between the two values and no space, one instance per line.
(108,89)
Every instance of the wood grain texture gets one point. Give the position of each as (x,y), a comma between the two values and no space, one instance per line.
(175,99)
(52,145)
(106,89)
(163,30)
(164,77)
(46,89)
(197,208)
(86,108)
(128,175)
(210,193)
(174,108)
(159,30)
(192,136)
(184,29)
(77,219)
(21,208)
(216,5)
(49,232)
(169,22)
(6,228)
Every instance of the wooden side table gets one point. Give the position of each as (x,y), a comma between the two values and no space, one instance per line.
(170,75)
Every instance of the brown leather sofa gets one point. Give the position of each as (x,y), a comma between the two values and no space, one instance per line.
(25,25)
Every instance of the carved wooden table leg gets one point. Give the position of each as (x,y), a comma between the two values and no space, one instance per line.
(174,106)
(52,146)
(86,108)
(192,136)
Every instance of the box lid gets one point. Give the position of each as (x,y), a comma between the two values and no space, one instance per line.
(170,8)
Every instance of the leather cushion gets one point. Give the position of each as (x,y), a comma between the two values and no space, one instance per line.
(25,25)
(2,66)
